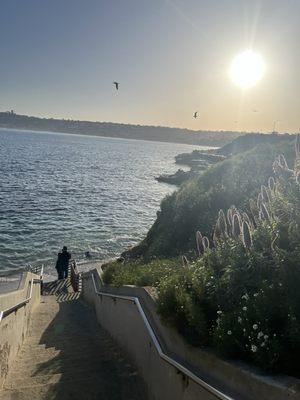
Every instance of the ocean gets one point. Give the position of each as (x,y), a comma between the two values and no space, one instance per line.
(88,193)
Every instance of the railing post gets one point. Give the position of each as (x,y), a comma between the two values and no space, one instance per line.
(74,275)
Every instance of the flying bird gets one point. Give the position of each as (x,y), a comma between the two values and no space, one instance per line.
(255,111)
(195,114)
(116,85)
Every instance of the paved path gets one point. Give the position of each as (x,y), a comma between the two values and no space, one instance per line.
(67,355)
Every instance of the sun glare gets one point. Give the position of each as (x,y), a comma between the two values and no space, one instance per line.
(247,69)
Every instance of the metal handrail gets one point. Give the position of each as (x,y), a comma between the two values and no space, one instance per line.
(40,279)
(5,313)
(34,270)
(15,307)
(158,346)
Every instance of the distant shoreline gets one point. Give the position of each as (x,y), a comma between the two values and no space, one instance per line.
(20,130)
(10,120)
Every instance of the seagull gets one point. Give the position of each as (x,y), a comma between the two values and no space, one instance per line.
(255,111)
(116,85)
(196,114)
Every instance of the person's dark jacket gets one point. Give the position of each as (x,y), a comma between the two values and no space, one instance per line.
(62,262)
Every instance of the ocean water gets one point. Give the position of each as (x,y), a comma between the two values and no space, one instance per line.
(89,193)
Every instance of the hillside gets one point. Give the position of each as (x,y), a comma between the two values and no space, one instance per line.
(247,142)
(110,129)
(196,204)
(236,288)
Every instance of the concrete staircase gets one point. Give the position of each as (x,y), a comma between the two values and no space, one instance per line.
(67,355)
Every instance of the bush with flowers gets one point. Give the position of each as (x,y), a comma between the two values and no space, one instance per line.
(241,294)
(246,282)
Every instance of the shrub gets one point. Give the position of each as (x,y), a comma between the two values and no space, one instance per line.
(180,299)
(254,274)
(139,273)
(241,294)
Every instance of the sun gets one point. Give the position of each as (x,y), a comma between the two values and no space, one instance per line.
(247,68)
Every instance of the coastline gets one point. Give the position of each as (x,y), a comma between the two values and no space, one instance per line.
(10,120)
(83,135)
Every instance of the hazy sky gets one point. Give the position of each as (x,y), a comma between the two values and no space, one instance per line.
(171,57)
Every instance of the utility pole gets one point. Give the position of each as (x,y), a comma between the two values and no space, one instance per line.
(274,126)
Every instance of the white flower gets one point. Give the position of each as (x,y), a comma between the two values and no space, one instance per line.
(245,308)
(245,296)
(229,333)
(240,320)
(263,344)
(260,334)
(266,337)
(256,294)
(219,312)
(253,348)
(255,326)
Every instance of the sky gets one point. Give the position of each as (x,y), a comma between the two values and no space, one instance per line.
(171,57)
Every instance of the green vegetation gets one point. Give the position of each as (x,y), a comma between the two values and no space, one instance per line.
(197,203)
(139,274)
(247,142)
(240,293)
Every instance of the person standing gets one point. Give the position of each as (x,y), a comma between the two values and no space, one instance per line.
(62,263)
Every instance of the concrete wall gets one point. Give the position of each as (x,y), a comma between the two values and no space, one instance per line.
(14,327)
(123,321)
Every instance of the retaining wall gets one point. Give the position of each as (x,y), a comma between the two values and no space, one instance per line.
(14,327)
(123,321)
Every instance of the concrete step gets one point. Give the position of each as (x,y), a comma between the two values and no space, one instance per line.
(36,393)
(67,376)
(52,353)
(68,356)
(80,345)
(81,364)
(89,389)
(82,342)
(65,354)
(80,386)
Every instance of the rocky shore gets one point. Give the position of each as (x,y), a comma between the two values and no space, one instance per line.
(200,160)
(197,160)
